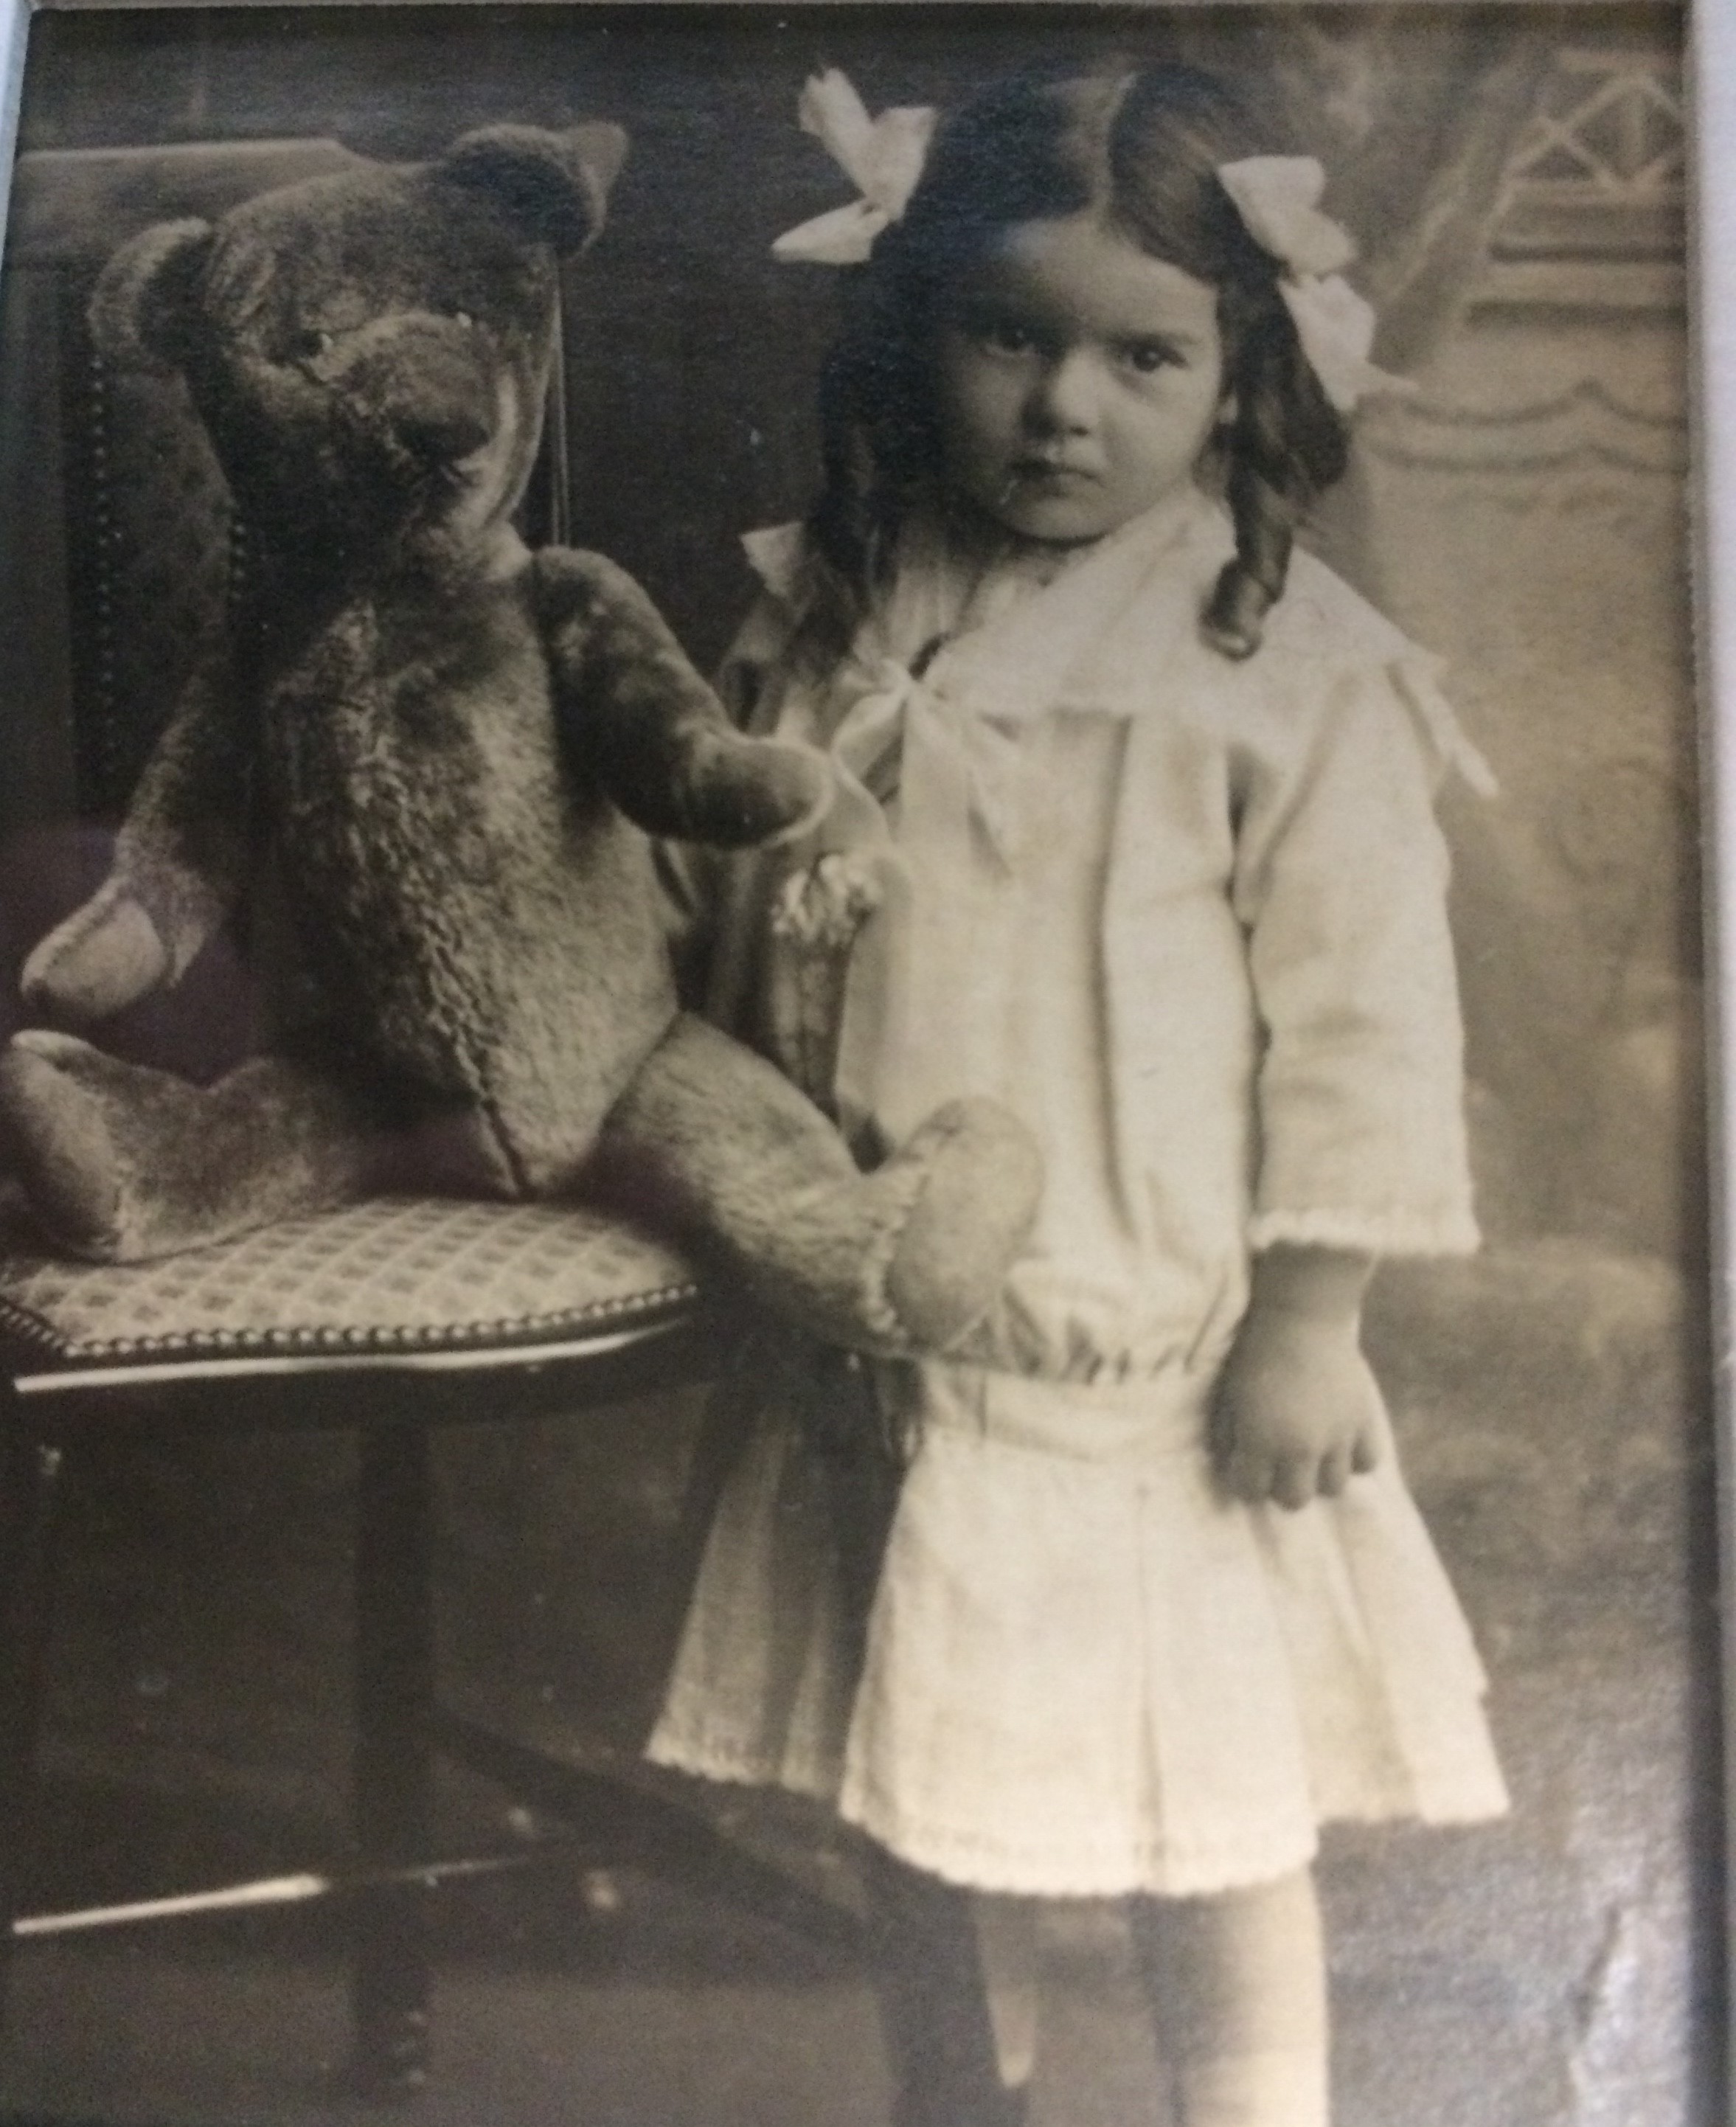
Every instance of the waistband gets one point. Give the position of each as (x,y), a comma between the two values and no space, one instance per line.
(1113,1421)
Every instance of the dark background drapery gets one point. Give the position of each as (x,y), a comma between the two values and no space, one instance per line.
(691,403)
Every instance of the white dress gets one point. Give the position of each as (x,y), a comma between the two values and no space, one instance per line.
(1187,918)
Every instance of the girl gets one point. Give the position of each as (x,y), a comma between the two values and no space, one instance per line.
(1135,833)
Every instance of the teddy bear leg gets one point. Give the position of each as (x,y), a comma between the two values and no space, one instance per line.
(712,1140)
(121,1162)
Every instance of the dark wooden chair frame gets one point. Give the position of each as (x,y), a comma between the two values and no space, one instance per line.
(394,1403)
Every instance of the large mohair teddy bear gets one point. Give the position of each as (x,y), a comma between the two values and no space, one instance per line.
(429,764)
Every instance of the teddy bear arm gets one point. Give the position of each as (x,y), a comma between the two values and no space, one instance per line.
(634,713)
(184,847)
(179,859)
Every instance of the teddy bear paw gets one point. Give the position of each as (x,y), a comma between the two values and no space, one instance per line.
(969,1182)
(101,958)
(742,792)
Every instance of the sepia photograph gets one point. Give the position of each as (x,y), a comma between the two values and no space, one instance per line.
(856,1205)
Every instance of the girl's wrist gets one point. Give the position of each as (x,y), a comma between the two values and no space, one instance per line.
(1318,1285)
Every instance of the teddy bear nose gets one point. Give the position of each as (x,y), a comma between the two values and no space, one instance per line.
(426,384)
(442,433)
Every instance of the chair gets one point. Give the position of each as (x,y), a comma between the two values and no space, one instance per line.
(391,1318)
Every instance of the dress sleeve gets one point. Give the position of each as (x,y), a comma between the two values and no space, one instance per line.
(1340,885)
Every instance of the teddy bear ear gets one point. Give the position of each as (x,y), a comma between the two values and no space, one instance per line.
(143,308)
(552,185)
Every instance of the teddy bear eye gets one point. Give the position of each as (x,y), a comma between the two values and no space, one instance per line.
(306,345)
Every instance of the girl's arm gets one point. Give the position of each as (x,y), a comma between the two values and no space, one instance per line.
(1341,883)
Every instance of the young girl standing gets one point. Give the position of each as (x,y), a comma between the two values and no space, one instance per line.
(1134,834)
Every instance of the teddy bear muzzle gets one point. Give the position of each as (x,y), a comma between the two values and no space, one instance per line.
(419,386)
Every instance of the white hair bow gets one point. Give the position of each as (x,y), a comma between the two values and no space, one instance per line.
(882,157)
(1277,197)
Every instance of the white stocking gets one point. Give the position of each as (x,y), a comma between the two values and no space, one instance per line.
(1006,1943)
(1285,2088)
(1238,1990)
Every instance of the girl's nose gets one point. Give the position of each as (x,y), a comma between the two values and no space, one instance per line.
(1064,402)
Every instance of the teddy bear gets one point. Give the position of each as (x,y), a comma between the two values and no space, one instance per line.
(432,767)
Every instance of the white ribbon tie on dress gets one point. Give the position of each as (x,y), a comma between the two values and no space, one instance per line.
(959,768)
(957,835)
(919,1021)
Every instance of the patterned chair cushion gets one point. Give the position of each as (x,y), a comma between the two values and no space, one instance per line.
(396,1274)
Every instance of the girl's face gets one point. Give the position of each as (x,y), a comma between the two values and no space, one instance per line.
(1080,380)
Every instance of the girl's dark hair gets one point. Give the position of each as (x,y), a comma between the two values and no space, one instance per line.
(1141,149)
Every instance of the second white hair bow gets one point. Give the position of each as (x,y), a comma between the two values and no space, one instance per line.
(1278,198)
(882,157)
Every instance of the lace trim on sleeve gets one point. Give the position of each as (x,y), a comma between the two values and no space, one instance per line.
(1397,1232)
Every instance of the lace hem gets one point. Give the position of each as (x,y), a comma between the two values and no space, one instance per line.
(978,1861)
(1393,1232)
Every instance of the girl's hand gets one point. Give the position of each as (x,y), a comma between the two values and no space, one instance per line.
(1296,1412)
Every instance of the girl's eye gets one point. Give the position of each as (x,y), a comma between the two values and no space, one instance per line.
(1149,356)
(1003,335)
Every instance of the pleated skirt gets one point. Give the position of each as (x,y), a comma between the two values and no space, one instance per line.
(1074,1667)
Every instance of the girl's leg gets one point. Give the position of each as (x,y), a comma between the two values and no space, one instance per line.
(1237,1988)
(933,2003)
(1006,1944)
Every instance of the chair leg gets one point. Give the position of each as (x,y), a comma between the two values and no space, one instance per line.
(29,1472)
(393,1770)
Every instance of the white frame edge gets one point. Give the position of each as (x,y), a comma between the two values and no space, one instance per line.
(1712,236)
(15,19)
(1712,33)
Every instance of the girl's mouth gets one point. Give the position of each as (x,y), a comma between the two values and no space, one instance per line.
(1048,472)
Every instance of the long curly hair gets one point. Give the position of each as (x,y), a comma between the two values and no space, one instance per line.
(1141,149)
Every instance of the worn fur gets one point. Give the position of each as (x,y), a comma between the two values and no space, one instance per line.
(452,754)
